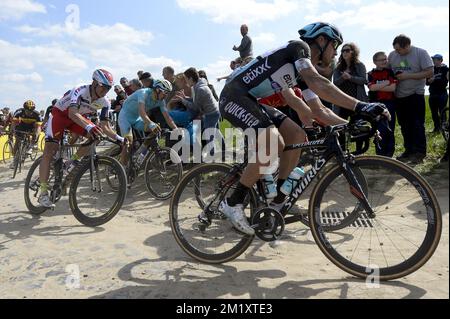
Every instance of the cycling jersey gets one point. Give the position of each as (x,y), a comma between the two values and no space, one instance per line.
(26,121)
(263,77)
(129,116)
(277,100)
(81,99)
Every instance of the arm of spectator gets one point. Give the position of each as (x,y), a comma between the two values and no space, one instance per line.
(389,88)
(428,73)
(337,78)
(245,43)
(360,77)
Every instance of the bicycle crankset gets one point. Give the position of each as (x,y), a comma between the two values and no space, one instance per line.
(269,224)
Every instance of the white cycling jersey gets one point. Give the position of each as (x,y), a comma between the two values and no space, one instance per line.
(81,98)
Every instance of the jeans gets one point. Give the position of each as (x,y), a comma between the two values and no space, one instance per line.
(211,121)
(437,105)
(387,144)
(411,117)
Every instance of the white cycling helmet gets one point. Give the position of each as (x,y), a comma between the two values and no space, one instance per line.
(163,85)
(103,77)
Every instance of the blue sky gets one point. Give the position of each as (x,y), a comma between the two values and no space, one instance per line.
(44,52)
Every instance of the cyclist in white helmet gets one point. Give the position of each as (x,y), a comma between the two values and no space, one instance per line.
(70,113)
(135,110)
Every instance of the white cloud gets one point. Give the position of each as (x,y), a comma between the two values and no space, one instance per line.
(264,40)
(54,58)
(22,78)
(389,16)
(16,9)
(241,11)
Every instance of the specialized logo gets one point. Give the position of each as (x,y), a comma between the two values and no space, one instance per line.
(254,73)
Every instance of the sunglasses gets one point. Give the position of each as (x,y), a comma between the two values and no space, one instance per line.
(347,50)
(336,45)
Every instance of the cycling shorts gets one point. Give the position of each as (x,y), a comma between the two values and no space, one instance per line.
(58,122)
(127,124)
(243,111)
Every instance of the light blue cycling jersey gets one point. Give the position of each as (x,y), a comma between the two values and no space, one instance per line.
(131,106)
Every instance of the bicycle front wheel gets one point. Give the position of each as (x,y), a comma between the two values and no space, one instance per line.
(217,242)
(163,171)
(398,240)
(93,200)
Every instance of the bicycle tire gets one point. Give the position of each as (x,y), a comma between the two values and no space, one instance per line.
(17,159)
(85,166)
(7,151)
(390,272)
(188,248)
(34,210)
(161,168)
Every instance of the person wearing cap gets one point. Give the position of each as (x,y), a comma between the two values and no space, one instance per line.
(411,66)
(438,91)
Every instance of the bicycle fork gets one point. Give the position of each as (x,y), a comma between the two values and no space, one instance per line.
(355,186)
(95,180)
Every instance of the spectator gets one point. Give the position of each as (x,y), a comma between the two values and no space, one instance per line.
(412,66)
(382,86)
(350,76)
(147,80)
(202,75)
(135,85)
(169,75)
(139,74)
(235,64)
(246,47)
(48,112)
(126,86)
(203,102)
(438,91)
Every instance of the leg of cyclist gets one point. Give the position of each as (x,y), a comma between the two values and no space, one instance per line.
(244,112)
(54,133)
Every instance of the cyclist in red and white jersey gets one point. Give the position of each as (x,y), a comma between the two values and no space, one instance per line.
(70,113)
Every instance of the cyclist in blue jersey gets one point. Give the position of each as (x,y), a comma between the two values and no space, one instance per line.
(135,110)
(276,71)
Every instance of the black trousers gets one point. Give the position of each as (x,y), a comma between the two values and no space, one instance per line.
(411,117)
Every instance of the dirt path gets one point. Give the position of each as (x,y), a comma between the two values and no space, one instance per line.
(135,256)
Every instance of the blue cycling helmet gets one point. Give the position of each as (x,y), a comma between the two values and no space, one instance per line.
(314,30)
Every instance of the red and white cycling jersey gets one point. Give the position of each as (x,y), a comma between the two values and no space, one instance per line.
(81,98)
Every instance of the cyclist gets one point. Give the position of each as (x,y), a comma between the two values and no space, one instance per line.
(135,110)
(270,73)
(48,112)
(26,122)
(70,113)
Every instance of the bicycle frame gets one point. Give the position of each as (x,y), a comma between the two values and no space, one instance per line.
(332,150)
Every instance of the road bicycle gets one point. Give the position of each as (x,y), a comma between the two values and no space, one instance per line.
(369,215)
(97,185)
(24,149)
(162,166)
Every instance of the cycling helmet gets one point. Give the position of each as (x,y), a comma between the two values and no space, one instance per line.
(29,105)
(163,85)
(314,30)
(103,77)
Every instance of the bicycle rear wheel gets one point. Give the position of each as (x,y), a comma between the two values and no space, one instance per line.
(218,242)
(402,236)
(163,171)
(92,199)
(7,151)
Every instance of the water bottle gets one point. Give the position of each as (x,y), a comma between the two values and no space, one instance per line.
(292,181)
(142,154)
(270,188)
